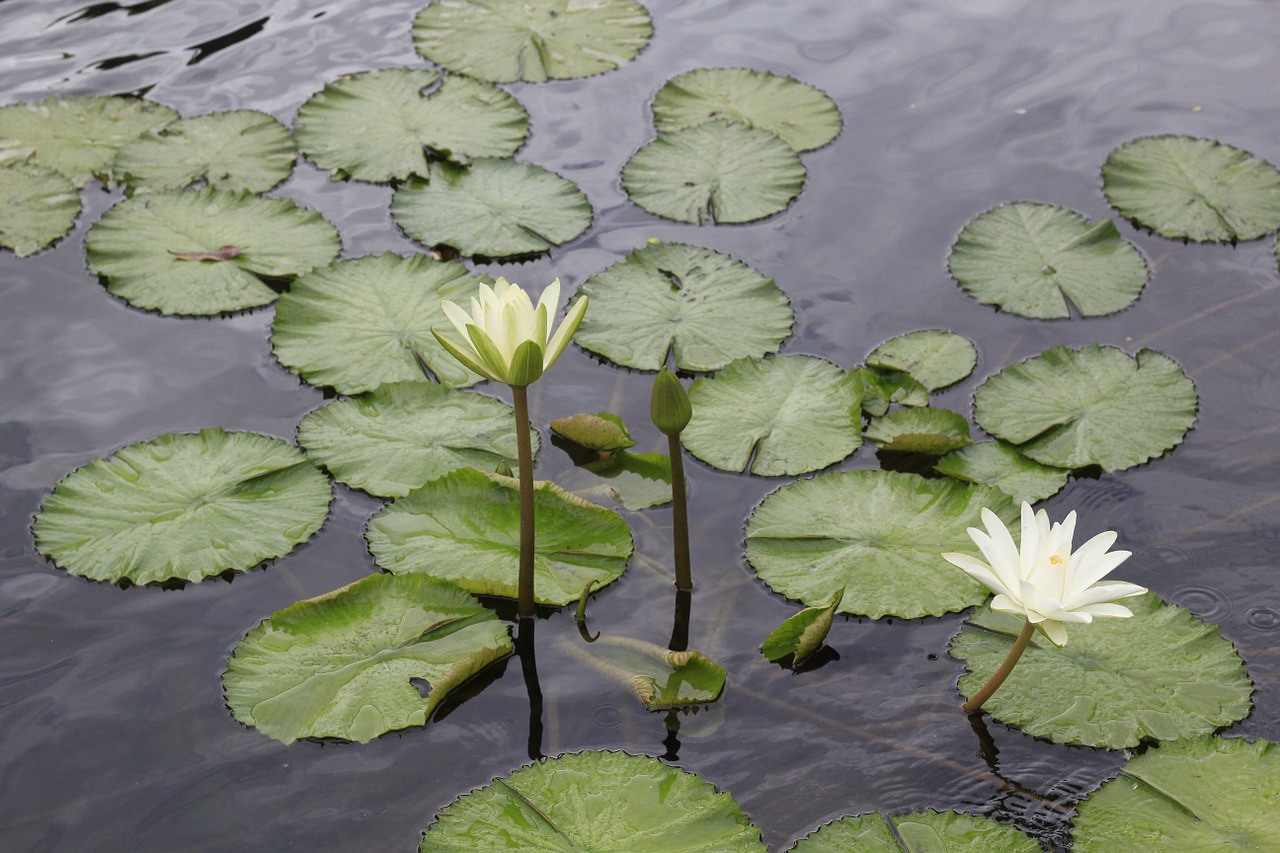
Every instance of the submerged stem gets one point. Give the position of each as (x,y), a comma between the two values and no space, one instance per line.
(520,396)
(1019,646)
(679,514)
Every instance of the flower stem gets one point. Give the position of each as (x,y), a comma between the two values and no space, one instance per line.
(679,514)
(1019,646)
(520,396)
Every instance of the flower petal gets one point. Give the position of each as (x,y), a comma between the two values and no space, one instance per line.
(977,570)
(564,333)
(457,316)
(1055,631)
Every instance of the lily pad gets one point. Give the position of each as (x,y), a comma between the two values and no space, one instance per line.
(399,436)
(929,431)
(534,40)
(238,150)
(664,680)
(356,324)
(933,357)
(1162,674)
(717,171)
(465,527)
(882,388)
(601,802)
(932,831)
(601,432)
(878,534)
(170,251)
(1039,260)
(1205,793)
(1194,189)
(802,116)
(77,137)
(346,664)
(37,207)
(493,208)
(379,126)
(183,507)
(802,634)
(701,306)
(781,416)
(1094,406)
(998,464)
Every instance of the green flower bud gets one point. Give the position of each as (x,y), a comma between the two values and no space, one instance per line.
(669,406)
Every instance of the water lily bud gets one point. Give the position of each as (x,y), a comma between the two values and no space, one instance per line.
(669,406)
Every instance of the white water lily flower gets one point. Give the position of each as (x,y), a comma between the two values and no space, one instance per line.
(1044,580)
(507,339)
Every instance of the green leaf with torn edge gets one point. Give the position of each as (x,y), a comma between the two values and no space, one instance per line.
(918,832)
(996,463)
(663,679)
(37,207)
(803,633)
(933,357)
(932,432)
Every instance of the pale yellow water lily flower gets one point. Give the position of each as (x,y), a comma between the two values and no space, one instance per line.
(505,338)
(1044,580)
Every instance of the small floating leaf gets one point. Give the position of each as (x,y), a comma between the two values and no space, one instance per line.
(933,357)
(998,464)
(931,831)
(878,534)
(1196,189)
(704,307)
(37,207)
(1161,674)
(344,664)
(534,41)
(717,171)
(929,431)
(183,507)
(802,634)
(1038,260)
(602,431)
(1094,406)
(663,679)
(597,801)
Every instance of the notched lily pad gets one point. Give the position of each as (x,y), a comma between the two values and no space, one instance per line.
(932,831)
(802,634)
(347,664)
(183,507)
(933,357)
(998,464)
(602,431)
(37,207)
(932,432)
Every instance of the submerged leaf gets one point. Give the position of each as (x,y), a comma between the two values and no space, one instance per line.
(37,207)
(663,679)
(882,388)
(926,832)
(634,480)
(803,633)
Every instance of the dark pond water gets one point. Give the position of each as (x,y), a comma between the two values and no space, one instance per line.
(113,731)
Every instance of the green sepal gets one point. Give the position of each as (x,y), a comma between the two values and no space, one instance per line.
(669,405)
(526,364)
(489,354)
(459,351)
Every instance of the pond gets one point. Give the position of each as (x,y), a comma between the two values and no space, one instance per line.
(115,731)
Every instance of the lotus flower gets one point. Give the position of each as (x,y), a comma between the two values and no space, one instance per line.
(1044,580)
(507,339)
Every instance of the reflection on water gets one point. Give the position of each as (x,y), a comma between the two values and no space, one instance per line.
(114,730)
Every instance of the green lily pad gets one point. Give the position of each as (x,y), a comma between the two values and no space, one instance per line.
(344,664)
(237,150)
(1038,260)
(379,126)
(184,507)
(1195,189)
(878,534)
(933,357)
(77,137)
(634,480)
(701,306)
(882,388)
(802,116)
(602,431)
(602,802)
(534,41)
(465,528)
(717,171)
(929,431)
(926,832)
(802,634)
(356,325)
(493,208)
(206,251)
(37,207)
(399,436)
(1205,793)
(1161,674)
(1094,406)
(663,679)
(1001,465)
(780,416)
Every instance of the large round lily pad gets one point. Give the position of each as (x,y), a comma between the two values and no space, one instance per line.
(77,136)
(1094,406)
(238,150)
(533,40)
(780,416)
(380,126)
(932,831)
(802,116)
(465,527)
(1161,674)
(356,324)
(878,534)
(717,171)
(347,664)
(1040,260)
(398,436)
(184,507)
(206,251)
(37,207)
(1196,189)
(935,358)
(595,802)
(493,208)
(704,308)
(1205,793)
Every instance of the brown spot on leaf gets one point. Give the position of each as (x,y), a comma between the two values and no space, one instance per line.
(224,253)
